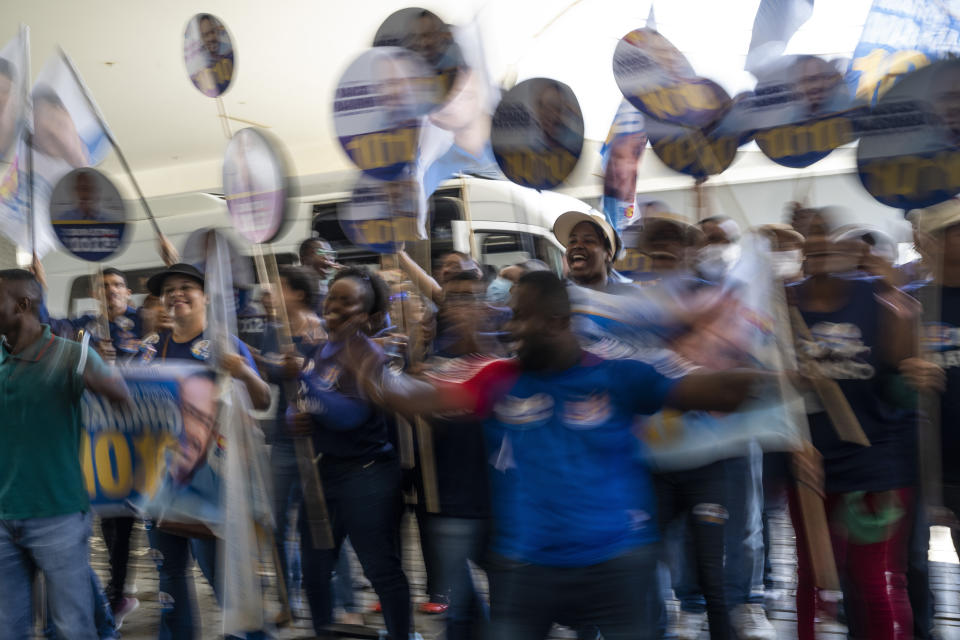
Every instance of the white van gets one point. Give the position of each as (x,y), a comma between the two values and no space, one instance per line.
(500,222)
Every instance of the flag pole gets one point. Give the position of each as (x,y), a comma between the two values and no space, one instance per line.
(113,141)
(30,218)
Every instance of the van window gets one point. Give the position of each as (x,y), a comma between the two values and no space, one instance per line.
(504,248)
(549,253)
(443,206)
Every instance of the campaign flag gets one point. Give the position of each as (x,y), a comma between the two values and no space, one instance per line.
(775,23)
(14,90)
(66,133)
(900,36)
(619,158)
(455,138)
(737,331)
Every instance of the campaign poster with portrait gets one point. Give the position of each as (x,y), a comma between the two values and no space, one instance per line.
(209,54)
(620,159)
(255,184)
(537,134)
(377,109)
(801,110)
(424,33)
(88,215)
(658,80)
(381,215)
(909,151)
(163,435)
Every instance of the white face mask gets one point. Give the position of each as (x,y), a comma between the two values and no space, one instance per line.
(715,260)
(787,264)
(499,291)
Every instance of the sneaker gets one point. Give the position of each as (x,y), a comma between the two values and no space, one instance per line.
(689,625)
(750,623)
(433,608)
(124,608)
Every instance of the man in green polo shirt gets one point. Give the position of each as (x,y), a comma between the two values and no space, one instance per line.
(44,508)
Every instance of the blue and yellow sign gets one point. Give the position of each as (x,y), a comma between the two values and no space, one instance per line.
(381,216)
(88,215)
(658,80)
(377,108)
(909,152)
(537,133)
(123,448)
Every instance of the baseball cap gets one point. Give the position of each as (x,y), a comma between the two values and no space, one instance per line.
(939,216)
(567,221)
(155,283)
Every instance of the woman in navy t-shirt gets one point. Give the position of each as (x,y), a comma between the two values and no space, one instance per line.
(359,467)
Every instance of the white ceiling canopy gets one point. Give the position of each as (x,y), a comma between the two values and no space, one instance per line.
(290,54)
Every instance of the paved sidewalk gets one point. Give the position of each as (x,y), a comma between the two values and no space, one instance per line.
(142,624)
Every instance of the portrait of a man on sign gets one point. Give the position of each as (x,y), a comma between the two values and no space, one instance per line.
(208,52)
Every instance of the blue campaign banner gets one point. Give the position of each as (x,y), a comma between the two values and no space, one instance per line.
(900,36)
(123,449)
(90,241)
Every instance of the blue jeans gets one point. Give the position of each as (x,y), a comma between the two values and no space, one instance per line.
(618,597)
(56,546)
(743,540)
(364,502)
(459,540)
(287,494)
(102,614)
(743,569)
(178,602)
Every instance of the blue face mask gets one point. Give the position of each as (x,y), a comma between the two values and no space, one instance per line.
(498,292)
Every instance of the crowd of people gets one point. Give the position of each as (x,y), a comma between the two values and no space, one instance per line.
(537,392)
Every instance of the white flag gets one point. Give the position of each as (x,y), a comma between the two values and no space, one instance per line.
(66,133)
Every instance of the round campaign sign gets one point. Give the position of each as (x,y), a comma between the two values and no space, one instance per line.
(801,111)
(255,185)
(909,151)
(381,215)
(537,133)
(377,107)
(701,152)
(88,215)
(657,79)
(422,31)
(209,55)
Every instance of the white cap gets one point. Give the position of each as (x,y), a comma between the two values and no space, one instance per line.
(567,221)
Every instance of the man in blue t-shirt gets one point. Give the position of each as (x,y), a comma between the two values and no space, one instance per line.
(573,526)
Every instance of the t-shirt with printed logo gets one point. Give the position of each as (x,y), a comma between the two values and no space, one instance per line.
(567,481)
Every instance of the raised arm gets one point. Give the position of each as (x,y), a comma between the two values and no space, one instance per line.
(102,379)
(716,391)
(420,278)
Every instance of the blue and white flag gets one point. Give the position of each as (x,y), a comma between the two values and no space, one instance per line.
(66,131)
(14,98)
(619,159)
(455,138)
(900,36)
(774,25)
